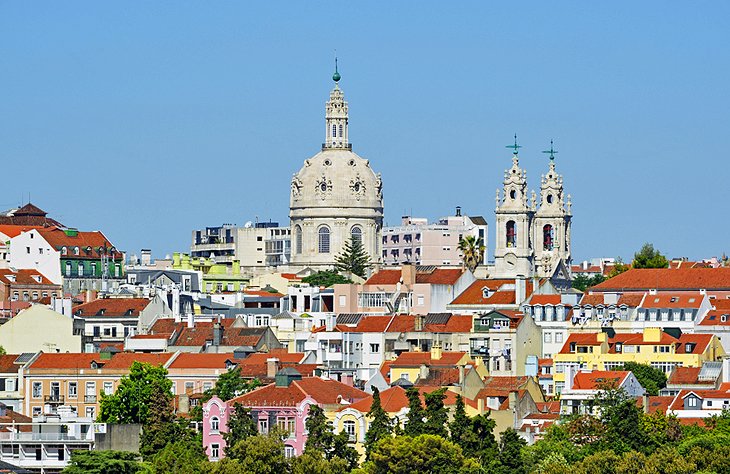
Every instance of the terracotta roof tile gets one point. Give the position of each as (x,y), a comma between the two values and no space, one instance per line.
(545,300)
(474,294)
(372,324)
(24,277)
(668,279)
(7,363)
(664,299)
(15,230)
(191,360)
(597,378)
(112,307)
(323,391)
(415,359)
(402,323)
(439,276)
(455,324)
(686,376)
(58,238)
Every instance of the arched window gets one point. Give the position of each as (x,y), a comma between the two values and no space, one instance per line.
(547,237)
(324,239)
(341,129)
(348,427)
(334,130)
(214,423)
(356,234)
(511,234)
(64,251)
(298,239)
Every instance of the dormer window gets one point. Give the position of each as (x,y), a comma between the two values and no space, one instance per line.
(673,299)
(689,347)
(76,250)
(88,249)
(486,292)
(129,312)
(101,312)
(64,251)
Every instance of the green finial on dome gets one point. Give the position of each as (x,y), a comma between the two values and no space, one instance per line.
(336,76)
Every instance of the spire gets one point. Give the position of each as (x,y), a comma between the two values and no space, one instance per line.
(336,118)
(551,151)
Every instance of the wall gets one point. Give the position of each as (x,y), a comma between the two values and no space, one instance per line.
(38,328)
(48,262)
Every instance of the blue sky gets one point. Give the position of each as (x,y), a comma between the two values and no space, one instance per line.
(150,119)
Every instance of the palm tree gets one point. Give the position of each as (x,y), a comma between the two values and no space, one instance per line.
(472,251)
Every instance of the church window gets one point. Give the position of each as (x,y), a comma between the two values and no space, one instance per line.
(356,234)
(547,237)
(334,130)
(550,198)
(297,239)
(341,130)
(324,239)
(511,234)
(512,194)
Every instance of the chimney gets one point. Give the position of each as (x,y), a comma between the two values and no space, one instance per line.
(423,372)
(512,397)
(146,258)
(645,400)
(569,376)
(408,275)
(436,351)
(462,370)
(191,320)
(176,303)
(217,333)
(520,289)
(480,405)
(272,367)
(88,296)
(458,211)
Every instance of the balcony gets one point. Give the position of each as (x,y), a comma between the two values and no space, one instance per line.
(54,399)
(89,398)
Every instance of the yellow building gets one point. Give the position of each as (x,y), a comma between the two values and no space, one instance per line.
(663,350)
(423,366)
(39,328)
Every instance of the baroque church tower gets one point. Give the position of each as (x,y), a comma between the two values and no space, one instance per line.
(335,197)
(551,224)
(513,254)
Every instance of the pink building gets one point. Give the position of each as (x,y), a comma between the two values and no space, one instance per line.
(284,403)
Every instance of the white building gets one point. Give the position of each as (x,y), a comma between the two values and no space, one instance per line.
(29,250)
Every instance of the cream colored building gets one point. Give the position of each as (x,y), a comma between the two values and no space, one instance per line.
(335,196)
(39,328)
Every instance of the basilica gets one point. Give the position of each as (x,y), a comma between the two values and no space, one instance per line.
(336,196)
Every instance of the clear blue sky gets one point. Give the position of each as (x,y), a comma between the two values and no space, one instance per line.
(150,119)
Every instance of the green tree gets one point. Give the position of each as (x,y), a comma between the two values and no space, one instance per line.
(240,425)
(313,462)
(2,351)
(381,426)
(420,454)
(321,439)
(325,278)
(479,441)
(415,424)
(161,425)
(231,384)
(650,378)
(460,424)
(648,257)
(353,259)
(260,454)
(472,251)
(581,282)
(436,415)
(103,462)
(510,452)
(618,268)
(621,418)
(181,457)
(130,403)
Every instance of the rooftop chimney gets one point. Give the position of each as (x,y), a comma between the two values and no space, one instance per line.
(146,258)
(191,320)
(272,367)
(436,351)
(458,211)
(520,289)
(217,334)
(408,275)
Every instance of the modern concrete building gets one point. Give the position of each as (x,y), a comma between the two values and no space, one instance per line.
(417,242)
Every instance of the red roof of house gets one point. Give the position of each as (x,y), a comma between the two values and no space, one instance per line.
(112,307)
(15,230)
(290,276)
(29,214)
(24,277)
(665,299)
(58,238)
(202,332)
(372,324)
(402,323)
(192,360)
(455,324)
(597,378)
(282,354)
(474,294)
(323,391)
(687,376)
(64,360)
(438,276)
(394,399)
(656,403)
(124,360)
(266,294)
(416,359)
(505,382)
(668,279)
(7,363)
(631,300)
(545,299)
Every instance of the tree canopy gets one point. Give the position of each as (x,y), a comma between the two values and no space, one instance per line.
(650,378)
(353,258)
(648,257)
(104,462)
(325,278)
(380,426)
(131,401)
(581,282)
(472,250)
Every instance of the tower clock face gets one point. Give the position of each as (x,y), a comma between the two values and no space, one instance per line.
(511,259)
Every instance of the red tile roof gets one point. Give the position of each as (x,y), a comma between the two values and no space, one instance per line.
(599,378)
(439,276)
(112,307)
(24,277)
(7,363)
(474,294)
(668,279)
(402,323)
(323,391)
(15,230)
(266,294)
(64,360)
(29,214)
(191,360)
(545,299)
(58,238)
(656,403)
(415,359)
(687,376)
(455,324)
(372,324)
(124,360)
(283,355)
(673,300)
(506,382)
(394,399)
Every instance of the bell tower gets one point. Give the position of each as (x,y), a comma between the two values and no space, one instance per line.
(551,224)
(336,134)
(513,254)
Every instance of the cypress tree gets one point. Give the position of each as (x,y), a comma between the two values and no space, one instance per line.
(353,258)
(436,414)
(380,424)
(414,420)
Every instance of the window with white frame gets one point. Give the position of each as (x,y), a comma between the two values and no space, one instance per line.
(37,389)
(214,424)
(324,239)
(108,388)
(289,451)
(264,426)
(349,428)
(548,337)
(215,450)
(73,388)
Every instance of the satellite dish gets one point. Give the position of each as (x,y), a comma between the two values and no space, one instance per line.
(248,225)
